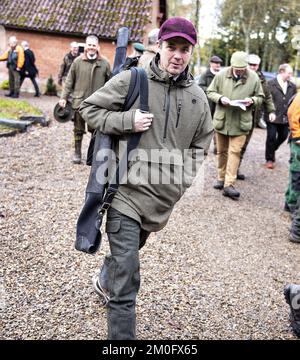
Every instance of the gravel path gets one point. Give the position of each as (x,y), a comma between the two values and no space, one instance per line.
(216,271)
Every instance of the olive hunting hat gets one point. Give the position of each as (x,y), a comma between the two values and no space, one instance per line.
(178,27)
(239,59)
(63,114)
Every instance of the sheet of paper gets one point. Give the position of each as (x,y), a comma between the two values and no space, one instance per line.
(240,103)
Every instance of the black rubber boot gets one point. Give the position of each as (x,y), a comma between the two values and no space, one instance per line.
(77,154)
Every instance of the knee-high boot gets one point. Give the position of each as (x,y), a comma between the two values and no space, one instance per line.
(77,154)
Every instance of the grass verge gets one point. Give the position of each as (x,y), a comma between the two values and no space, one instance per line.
(14,109)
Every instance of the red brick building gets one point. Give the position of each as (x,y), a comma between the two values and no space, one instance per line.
(51,25)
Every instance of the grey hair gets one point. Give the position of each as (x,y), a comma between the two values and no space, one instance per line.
(25,43)
(12,40)
(153,36)
(282,68)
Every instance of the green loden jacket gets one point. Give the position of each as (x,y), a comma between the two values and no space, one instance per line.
(84,78)
(181,121)
(232,120)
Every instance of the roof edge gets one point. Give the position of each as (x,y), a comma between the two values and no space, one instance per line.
(61,33)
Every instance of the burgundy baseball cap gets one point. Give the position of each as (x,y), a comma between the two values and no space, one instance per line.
(178,26)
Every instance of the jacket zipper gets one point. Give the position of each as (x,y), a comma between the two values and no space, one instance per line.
(165,96)
(167,113)
(178,113)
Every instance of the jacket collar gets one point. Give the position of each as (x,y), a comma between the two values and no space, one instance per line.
(84,56)
(150,51)
(276,83)
(209,73)
(243,78)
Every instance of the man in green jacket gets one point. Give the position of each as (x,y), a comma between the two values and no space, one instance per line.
(67,62)
(236,91)
(268,105)
(178,124)
(88,73)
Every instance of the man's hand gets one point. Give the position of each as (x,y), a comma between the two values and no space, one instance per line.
(62,103)
(272,117)
(225,101)
(248,101)
(18,69)
(142,121)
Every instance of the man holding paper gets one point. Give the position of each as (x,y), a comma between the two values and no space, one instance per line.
(235,90)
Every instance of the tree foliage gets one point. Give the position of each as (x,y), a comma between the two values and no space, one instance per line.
(190,10)
(180,8)
(262,27)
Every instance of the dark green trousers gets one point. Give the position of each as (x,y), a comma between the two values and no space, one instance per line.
(293,191)
(14,81)
(120,274)
(79,126)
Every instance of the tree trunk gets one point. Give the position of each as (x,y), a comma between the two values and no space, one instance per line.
(197,15)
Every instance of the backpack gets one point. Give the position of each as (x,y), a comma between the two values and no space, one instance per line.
(99,194)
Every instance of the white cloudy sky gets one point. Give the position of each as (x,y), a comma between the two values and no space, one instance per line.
(208,21)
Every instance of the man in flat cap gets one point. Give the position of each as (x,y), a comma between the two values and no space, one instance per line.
(267,105)
(205,80)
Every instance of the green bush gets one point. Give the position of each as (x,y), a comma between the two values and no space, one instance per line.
(5,85)
(51,87)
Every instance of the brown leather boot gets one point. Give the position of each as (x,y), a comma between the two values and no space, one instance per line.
(77,154)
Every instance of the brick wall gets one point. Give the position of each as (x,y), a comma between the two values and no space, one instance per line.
(49,51)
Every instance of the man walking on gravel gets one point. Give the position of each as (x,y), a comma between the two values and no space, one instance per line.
(15,60)
(29,69)
(88,73)
(179,120)
(204,82)
(282,90)
(233,120)
(269,108)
